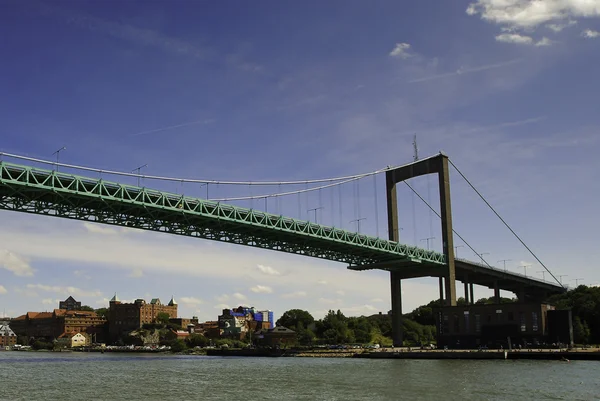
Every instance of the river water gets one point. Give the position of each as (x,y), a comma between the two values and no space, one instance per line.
(111,376)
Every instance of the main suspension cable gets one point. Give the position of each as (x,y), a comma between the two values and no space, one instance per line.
(192,180)
(505,223)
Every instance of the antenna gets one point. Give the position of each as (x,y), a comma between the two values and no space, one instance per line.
(415,148)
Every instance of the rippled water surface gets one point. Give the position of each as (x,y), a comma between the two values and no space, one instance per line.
(83,376)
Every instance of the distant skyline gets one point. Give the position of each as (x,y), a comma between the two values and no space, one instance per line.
(282,90)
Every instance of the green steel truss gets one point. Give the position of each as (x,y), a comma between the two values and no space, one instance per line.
(46,192)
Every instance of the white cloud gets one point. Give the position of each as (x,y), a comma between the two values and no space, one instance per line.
(81,273)
(529,14)
(268,270)
(222,306)
(104,302)
(295,294)
(329,301)
(401,50)
(48,301)
(544,42)
(191,301)
(340,292)
(136,273)
(560,26)
(74,291)
(514,38)
(359,310)
(322,282)
(376,300)
(3,290)
(522,39)
(240,297)
(15,264)
(588,33)
(222,298)
(100,228)
(261,289)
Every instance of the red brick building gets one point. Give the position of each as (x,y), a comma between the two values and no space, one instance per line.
(51,325)
(126,317)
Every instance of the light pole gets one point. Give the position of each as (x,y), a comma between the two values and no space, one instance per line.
(428,239)
(543,274)
(138,173)
(481,255)
(57,153)
(358,223)
(525,266)
(560,276)
(577,280)
(314,209)
(504,261)
(456,250)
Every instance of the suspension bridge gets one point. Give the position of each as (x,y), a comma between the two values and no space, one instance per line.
(56,189)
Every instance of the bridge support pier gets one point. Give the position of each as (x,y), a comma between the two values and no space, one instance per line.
(397,332)
(441,291)
(471,290)
(466,285)
(496,293)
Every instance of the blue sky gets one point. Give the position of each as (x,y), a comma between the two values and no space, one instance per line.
(278,90)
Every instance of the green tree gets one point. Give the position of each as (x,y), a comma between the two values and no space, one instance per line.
(295,318)
(197,340)
(87,308)
(163,318)
(581,331)
(102,312)
(177,345)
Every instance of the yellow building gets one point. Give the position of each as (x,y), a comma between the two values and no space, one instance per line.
(72,340)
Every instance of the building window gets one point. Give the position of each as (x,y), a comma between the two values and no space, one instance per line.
(511,316)
(534,321)
(523,321)
(477,324)
(445,325)
(456,324)
(467,327)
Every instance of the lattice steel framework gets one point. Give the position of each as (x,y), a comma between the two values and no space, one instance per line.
(46,192)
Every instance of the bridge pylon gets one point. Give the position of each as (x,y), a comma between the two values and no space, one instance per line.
(432,165)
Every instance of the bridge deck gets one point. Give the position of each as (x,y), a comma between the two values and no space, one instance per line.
(47,192)
(476,273)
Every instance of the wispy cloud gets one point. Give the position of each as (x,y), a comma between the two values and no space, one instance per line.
(191,301)
(261,289)
(240,296)
(3,290)
(74,291)
(514,38)
(127,32)
(467,70)
(136,273)
(590,34)
(295,294)
(268,270)
(330,301)
(15,263)
(506,124)
(172,127)
(560,26)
